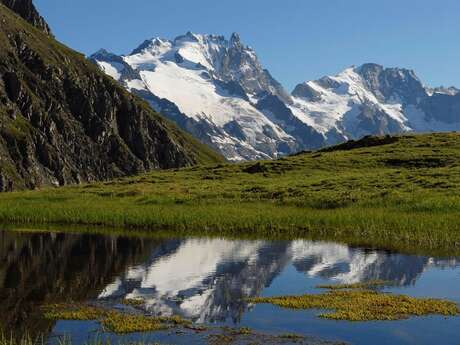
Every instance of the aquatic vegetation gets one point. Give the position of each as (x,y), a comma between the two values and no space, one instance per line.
(401,196)
(362,285)
(134,302)
(364,305)
(237,331)
(112,320)
(126,323)
(24,339)
(228,335)
(291,336)
(73,311)
(196,328)
(174,320)
(244,330)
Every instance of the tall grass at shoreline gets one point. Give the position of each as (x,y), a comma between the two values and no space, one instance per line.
(396,193)
(26,339)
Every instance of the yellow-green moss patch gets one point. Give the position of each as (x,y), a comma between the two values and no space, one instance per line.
(125,323)
(73,312)
(134,302)
(365,305)
(228,335)
(114,321)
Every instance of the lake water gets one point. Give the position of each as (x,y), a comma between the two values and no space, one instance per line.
(209,280)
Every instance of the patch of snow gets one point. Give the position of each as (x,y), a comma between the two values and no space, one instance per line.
(135,84)
(112,69)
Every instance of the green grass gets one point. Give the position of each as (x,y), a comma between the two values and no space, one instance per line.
(400,194)
(364,305)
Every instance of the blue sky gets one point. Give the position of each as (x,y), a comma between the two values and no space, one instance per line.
(296,40)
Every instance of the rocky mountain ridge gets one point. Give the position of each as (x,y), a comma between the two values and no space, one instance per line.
(216,89)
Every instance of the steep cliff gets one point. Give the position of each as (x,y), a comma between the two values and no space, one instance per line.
(27,10)
(63,121)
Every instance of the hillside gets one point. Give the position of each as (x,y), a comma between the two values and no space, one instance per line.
(62,121)
(392,192)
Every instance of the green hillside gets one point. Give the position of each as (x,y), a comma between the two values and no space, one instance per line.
(391,192)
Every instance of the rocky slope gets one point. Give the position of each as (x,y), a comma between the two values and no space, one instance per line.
(27,10)
(62,121)
(217,90)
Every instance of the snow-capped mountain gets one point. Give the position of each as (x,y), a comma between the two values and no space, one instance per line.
(218,91)
(371,99)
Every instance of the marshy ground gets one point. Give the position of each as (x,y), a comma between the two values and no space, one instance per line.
(399,193)
(357,302)
(128,322)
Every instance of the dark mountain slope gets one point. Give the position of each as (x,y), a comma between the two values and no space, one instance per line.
(63,121)
(27,10)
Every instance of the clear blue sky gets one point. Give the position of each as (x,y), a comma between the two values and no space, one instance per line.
(296,40)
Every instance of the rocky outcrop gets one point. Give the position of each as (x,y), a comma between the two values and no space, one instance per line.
(27,10)
(62,121)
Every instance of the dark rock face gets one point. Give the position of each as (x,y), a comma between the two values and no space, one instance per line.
(443,107)
(62,121)
(27,10)
(386,83)
(307,92)
(253,80)
(305,136)
(443,104)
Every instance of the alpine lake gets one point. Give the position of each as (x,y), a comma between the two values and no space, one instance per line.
(206,289)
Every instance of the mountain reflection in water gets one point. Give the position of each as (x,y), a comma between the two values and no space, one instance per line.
(39,268)
(207,280)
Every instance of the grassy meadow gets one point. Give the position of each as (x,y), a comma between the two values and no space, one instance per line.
(397,193)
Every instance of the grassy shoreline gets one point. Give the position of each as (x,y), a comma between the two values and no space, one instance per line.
(399,194)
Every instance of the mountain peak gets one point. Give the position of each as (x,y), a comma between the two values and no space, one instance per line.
(150,44)
(189,36)
(235,40)
(369,67)
(102,52)
(105,55)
